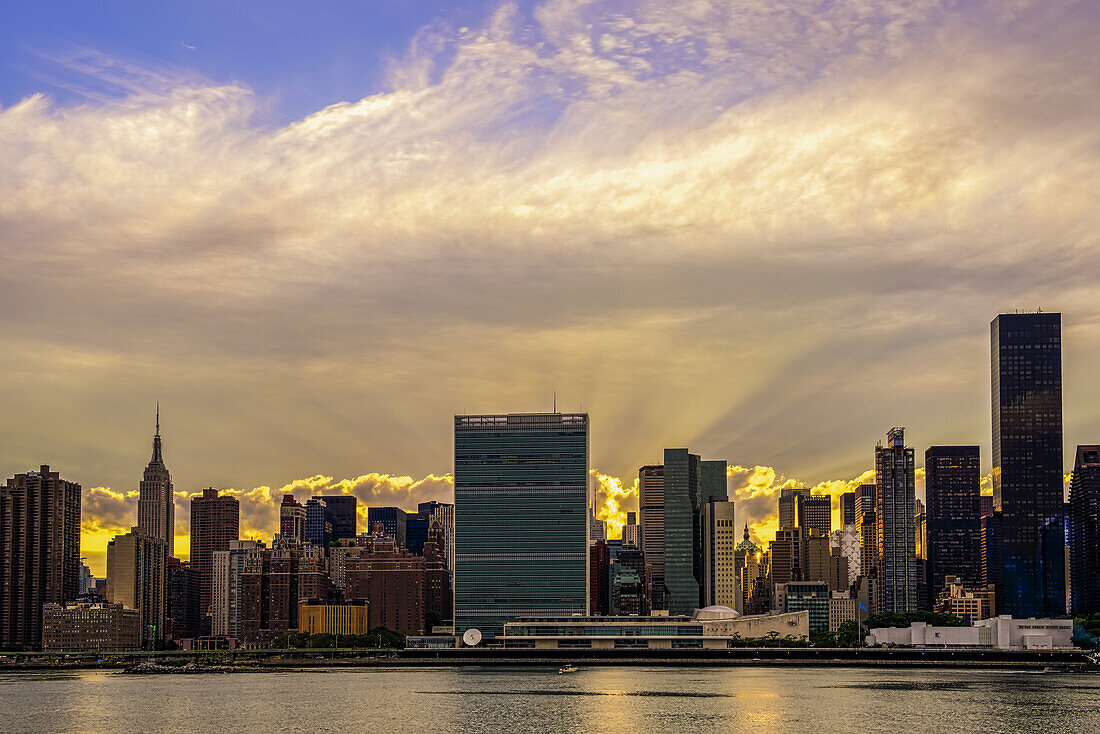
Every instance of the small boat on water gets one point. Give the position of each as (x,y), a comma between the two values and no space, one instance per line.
(568,668)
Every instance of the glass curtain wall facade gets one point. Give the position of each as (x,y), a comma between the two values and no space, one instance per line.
(521,518)
(683,530)
(343,514)
(953,476)
(651,508)
(1026,368)
(1084,532)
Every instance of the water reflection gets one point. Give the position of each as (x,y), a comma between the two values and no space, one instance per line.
(518,700)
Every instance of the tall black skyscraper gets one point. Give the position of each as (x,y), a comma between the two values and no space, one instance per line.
(952,488)
(1026,358)
(1084,532)
(342,512)
(848,509)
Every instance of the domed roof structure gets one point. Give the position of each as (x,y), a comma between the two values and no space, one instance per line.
(746,544)
(715,612)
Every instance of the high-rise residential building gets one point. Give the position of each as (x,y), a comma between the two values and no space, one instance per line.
(785,554)
(868,545)
(632,532)
(815,564)
(39,551)
(438,590)
(790,515)
(921,540)
(846,540)
(953,479)
(848,509)
(343,513)
(274,582)
(865,501)
(228,567)
(895,526)
(393,519)
(521,518)
(1084,531)
(651,508)
(922,529)
(390,580)
(1026,356)
(215,522)
(137,579)
(598,578)
(818,514)
(597,528)
(156,503)
(721,578)
(444,514)
(87,581)
(182,604)
(799,509)
(292,519)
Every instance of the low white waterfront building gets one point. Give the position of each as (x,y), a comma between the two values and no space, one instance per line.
(1007,633)
(920,634)
(714,627)
(1004,633)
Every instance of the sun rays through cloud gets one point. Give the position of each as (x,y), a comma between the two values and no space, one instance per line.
(765,230)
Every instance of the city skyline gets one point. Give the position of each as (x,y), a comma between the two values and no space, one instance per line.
(717,227)
(683,365)
(755,490)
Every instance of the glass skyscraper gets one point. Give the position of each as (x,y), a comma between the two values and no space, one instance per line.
(689,485)
(953,476)
(394,520)
(1084,532)
(521,518)
(1026,367)
(343,513)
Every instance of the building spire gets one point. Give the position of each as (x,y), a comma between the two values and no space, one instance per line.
(157,458)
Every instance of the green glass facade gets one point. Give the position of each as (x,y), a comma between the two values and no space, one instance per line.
(521,522)
(689,484)
(811,596)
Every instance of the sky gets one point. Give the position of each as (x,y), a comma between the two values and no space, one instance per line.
(765,230)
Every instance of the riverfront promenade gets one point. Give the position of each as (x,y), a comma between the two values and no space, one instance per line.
(319,658)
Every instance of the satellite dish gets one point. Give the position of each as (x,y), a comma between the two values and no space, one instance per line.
(471,637)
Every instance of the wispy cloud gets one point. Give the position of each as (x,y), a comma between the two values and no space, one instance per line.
(762,229)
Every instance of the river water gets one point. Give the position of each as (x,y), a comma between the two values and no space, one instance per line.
(615,699)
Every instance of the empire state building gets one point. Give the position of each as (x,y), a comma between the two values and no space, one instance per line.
(156,505)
